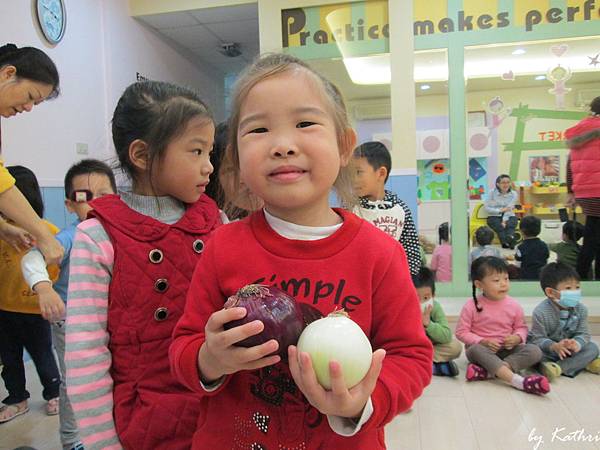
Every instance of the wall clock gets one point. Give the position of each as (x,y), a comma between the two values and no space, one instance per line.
(52,17)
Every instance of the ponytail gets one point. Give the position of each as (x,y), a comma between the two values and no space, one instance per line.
(477,307)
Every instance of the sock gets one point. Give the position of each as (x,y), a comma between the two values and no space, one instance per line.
(517,381)
(437,370)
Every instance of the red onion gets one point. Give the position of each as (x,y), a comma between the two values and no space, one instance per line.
(283,317)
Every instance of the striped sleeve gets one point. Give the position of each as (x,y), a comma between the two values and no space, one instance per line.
(88,359)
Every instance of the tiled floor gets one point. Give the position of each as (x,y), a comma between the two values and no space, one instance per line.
(451,415)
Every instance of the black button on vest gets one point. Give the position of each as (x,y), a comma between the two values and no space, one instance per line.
(198,246)
(161,285)
(155,256)
(161,314)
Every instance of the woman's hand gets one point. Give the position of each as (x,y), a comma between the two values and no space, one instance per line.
(220,356)
(51,249)
(339,401)
(17,237)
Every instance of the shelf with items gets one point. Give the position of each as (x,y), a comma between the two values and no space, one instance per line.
(552,209)
(537,190)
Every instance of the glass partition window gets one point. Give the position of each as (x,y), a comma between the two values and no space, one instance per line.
(520,99)
(433,160)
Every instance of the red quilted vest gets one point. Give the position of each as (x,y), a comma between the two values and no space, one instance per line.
(584,140)
(152,271)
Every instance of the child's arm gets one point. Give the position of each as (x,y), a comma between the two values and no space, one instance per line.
(438,329)
(410,241)
(37,278)
(463,328)
(396,327)
(16,207)
(88,359)
(519,325)
(582,335)
(539,331)
(435,259)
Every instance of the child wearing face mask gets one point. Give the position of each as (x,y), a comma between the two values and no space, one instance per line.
(560,327)
(445,347)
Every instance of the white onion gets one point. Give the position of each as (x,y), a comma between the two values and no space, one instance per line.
(337,338)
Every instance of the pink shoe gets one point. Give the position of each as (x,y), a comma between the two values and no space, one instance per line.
(476,373)
(536,384)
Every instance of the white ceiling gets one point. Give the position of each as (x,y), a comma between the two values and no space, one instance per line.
(202,32)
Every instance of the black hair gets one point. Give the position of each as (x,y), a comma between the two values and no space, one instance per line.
(482,267)
(425,278)
(376,154)
(87,167)
(573,230)
(214,189)
(444,232)
(554,273)
(155,112)
(484,235)
(595,106)
(27,183)
(31,64)
(531,226)
(500,178)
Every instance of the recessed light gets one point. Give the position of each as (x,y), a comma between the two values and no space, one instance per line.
(519,51)
(424,87)
(540,77)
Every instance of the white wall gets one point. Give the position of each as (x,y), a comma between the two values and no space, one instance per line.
(99,56)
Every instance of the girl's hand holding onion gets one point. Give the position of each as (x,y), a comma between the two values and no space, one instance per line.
(339,401)
(219,355)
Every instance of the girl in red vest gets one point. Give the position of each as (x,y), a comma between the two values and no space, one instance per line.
(583,180)
(290,144)
(131,265)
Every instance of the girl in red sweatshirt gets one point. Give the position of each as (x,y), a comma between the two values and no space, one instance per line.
(291,142)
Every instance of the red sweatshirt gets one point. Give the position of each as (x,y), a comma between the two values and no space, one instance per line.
(358,268)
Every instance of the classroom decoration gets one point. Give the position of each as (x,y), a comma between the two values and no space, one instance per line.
(524,114)
(544,169)
(594,60)
(559,49)
(478,142)
(498,112)
(432,144)
(508,76)
(559,76)
(478,178)
(434,179)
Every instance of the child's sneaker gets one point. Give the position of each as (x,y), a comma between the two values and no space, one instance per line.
(445,369)
(78,446)
(594,366)
(476,373)
(536,384)
(550,370)
(452,368)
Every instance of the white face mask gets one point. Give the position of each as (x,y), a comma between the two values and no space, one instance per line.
(424,305)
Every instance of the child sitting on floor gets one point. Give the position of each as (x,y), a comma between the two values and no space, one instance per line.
(445,347)
(559,325)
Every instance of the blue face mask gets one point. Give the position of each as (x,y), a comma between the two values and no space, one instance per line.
(569,298)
